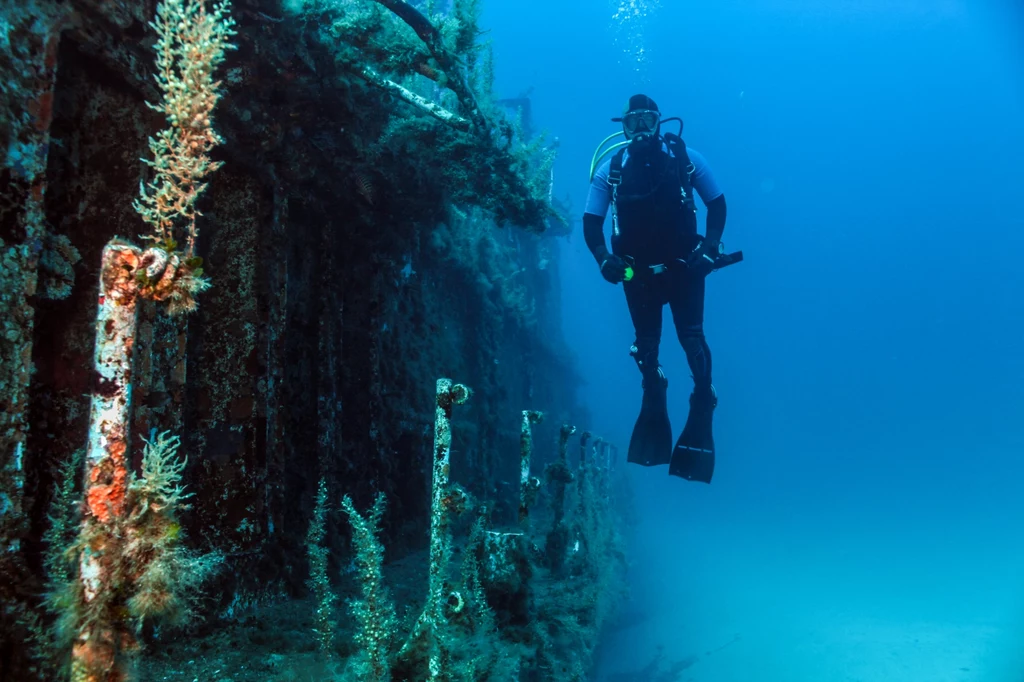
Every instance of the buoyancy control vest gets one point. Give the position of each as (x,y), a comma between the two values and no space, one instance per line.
(654,217)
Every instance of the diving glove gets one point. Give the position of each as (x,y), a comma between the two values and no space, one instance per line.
(703,258)
(613,268)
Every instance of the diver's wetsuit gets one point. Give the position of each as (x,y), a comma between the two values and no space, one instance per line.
(655,227)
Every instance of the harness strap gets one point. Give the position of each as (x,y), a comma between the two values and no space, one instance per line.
(678,149)
(615,169)
(614,180)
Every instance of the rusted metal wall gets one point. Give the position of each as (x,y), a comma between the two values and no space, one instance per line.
(334,307)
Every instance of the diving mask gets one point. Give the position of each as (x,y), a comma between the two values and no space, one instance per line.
(639,122)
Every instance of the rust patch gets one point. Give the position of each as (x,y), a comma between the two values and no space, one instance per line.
(52,42)
(44,111)
(109,482)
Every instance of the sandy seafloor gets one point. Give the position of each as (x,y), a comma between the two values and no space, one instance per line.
(887,583)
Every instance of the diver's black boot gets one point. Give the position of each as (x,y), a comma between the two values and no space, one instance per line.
(694,454)
(651,442)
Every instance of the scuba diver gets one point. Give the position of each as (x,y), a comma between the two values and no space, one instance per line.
(660,258)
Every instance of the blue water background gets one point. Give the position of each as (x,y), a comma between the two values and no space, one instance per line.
(865,518)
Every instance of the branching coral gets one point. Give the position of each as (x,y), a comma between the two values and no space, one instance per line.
(62,517)
(167,575)
(191,44)
(374,612)
(319,583)
(133,567)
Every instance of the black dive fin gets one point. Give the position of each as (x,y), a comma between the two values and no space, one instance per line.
(651,442)
(694,454)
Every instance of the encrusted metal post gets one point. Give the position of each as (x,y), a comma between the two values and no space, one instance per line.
(604,467)
(116,319)
(127,274)
(595,452)
(527,486)
(584,489)
(560,473)
(559,476)
(584,439)
(448,395)
(99,646)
